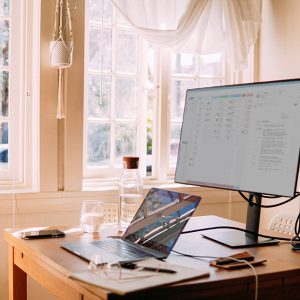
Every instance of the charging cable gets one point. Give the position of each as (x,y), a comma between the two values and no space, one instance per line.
(226,257)
(240,229)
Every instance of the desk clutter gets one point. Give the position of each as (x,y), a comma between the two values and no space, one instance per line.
(141,275)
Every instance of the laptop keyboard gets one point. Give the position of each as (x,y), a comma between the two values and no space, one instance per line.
(121,249)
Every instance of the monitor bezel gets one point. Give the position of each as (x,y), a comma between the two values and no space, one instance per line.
(233,86)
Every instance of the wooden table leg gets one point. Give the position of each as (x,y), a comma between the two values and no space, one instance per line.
(17,279)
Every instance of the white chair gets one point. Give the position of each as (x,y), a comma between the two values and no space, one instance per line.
(284,224)
(110,213)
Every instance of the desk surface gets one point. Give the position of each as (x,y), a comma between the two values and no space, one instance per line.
(50,265)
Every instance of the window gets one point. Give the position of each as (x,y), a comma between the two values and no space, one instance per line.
(112,91)
(143,91)
(15,87)
(5,70)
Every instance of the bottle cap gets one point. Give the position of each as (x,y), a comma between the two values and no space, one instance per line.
(131,162)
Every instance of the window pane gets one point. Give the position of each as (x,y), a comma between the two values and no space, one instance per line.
(95,53)
(4,7)
(183,63)
(4,81)
(99,106)
(150,126)
(3,145)
(126,52)
(178,91)
(126,98)
(4,93)
(3,133)
(121,21)
(95,11)
(210,82)
(98,144)
(150,88)
(107,50)
(4,39)
(174,143)
(125,141)
(211,65)
(151,67)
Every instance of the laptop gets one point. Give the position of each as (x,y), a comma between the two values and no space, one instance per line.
(152,232)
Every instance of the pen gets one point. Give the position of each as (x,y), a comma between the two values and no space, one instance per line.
(133,266)
(158,270)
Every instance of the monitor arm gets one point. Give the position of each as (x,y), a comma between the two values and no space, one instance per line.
(253,215)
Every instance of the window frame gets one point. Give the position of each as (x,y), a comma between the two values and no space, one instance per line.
(23,95)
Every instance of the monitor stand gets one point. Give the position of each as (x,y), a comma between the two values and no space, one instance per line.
(238,239)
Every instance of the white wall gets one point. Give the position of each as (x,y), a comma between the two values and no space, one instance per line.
(279,58)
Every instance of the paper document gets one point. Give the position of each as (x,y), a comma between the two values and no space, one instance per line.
(122,281)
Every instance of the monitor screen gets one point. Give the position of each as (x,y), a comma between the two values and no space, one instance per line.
(242,137)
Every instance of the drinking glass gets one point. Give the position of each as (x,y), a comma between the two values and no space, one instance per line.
(92,215)
(114,271)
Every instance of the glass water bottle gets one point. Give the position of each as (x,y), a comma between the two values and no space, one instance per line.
(130,191)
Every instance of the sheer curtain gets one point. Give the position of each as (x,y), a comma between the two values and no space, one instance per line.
(197,26)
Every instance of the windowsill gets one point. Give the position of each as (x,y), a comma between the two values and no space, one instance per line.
(112,184)
(108,191)
(70,201)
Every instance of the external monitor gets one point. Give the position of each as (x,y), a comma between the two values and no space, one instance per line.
(245,138)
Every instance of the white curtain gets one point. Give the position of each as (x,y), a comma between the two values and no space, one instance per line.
(197,26)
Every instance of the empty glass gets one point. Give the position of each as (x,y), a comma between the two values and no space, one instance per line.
(114,271)
(92,215)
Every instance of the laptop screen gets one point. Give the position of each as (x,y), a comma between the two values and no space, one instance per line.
(160,219)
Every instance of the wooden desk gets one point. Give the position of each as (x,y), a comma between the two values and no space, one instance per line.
(50,265)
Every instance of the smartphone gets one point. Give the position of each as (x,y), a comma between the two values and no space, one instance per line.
(41,234)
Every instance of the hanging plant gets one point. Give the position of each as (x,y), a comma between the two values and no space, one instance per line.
(61,49)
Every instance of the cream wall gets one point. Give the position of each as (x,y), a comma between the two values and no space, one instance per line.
(279,58)
(61,152)
(279,40)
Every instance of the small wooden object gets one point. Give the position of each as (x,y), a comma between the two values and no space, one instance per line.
(231,262)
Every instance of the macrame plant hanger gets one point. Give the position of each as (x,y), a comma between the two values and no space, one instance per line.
(61,50)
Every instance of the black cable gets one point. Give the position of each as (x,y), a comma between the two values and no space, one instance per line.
(245,198)
(251,203)
(297,225)
(194,256)
(295,242)
(263,195)
(240,229)
(270,196)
